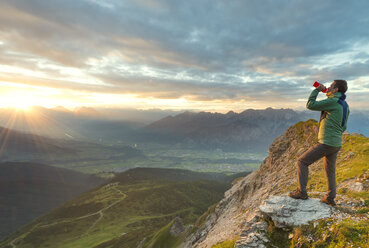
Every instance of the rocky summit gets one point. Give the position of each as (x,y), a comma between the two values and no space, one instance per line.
(256,211)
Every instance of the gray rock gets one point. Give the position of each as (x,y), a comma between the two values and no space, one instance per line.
(356,187)
(286,211)
(254,235)
(177,228)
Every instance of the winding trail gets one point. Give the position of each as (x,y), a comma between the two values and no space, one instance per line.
(100,213)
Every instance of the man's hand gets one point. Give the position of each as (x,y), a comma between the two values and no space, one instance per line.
(320,88)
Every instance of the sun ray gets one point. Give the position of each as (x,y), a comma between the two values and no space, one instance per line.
(6,132)
(30,122)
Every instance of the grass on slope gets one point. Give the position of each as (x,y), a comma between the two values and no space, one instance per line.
(119,214)
(163,238)
(330,234)
(352,162)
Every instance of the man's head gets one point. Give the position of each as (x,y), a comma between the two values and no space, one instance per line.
(338,85)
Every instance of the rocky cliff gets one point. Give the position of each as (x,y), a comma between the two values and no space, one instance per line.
(237,220)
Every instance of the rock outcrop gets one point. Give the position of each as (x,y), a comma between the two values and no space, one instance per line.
(286,211)
(241,202)
(258,202)
(254,235)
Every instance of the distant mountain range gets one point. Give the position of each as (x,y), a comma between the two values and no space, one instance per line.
(251,130)
(29,190)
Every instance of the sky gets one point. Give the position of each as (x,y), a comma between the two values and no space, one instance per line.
(205,55)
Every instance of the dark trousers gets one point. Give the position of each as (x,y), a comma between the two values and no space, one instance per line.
(329,154)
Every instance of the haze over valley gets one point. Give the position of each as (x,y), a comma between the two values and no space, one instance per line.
(170,124)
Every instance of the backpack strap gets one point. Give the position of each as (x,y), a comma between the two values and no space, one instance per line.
(344,105)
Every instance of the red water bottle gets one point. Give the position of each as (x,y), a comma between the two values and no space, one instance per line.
(316,84)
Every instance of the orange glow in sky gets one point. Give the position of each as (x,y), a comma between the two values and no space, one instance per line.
(24,97)
(53,54)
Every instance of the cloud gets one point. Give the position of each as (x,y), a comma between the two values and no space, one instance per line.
(204,51)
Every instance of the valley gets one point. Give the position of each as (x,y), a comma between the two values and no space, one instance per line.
(132,206)
(90,157)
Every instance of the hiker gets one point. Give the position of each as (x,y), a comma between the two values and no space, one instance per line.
(333,122)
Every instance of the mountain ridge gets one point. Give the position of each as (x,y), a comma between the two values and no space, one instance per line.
(251,130)
(277,176)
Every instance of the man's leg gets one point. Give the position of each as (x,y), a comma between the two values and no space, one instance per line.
(310,156)
(330,172)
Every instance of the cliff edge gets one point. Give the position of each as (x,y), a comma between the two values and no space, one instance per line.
(232,222)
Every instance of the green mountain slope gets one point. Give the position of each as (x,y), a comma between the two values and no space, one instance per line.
(134,205)
(164,238)
(29,190)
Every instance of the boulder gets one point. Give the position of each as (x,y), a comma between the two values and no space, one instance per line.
(254,235)
(286,211)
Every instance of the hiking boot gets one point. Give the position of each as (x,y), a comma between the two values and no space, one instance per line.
(328,201)
(297,194)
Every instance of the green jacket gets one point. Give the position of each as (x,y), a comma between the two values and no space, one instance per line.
(333,118)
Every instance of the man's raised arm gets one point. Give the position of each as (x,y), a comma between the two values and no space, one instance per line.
(313,104)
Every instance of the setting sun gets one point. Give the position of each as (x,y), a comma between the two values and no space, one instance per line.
(18,100)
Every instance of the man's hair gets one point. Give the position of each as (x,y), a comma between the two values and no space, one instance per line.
(341,85)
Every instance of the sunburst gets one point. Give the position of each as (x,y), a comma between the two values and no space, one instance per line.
(18,100)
